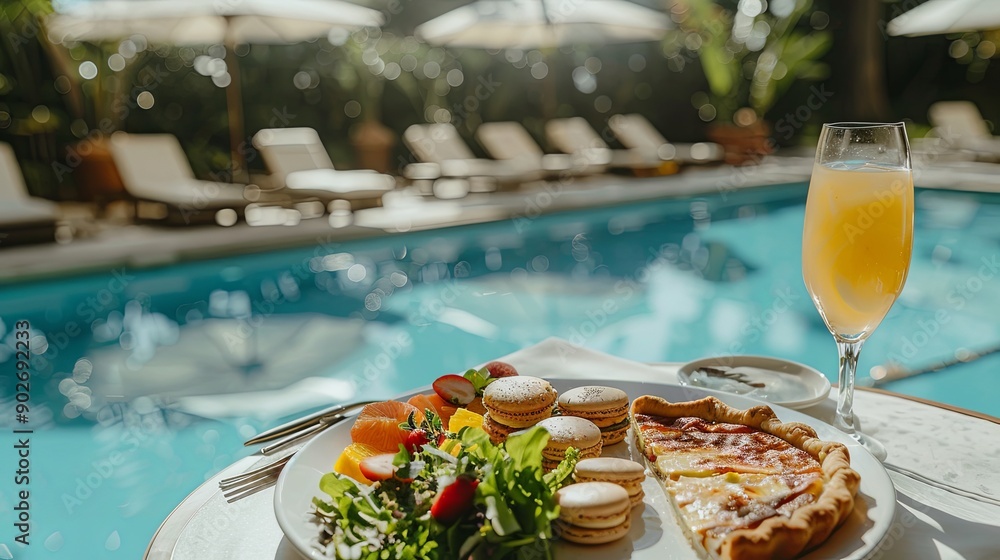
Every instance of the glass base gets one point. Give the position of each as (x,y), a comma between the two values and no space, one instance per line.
(873,445)
(853,429)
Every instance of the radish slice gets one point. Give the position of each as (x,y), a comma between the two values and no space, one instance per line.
(378,467)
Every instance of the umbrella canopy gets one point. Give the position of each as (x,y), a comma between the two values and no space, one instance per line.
(947,16)
(529,24)
(198,22)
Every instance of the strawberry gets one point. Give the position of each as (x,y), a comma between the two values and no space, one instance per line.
(416,439)
(454,500)
(378,467)
(455,389)
(500,369)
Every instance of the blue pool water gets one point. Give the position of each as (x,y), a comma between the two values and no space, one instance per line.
(672,280)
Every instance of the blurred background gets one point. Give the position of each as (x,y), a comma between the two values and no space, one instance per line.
(367,86)
(215,216)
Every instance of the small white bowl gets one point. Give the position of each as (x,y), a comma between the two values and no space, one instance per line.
(773,380)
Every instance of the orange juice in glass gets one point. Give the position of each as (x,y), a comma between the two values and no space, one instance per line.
(856,244)
(857,240)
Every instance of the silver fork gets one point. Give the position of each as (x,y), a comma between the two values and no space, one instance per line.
(249,483)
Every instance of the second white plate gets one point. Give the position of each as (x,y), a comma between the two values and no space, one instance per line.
(774,380)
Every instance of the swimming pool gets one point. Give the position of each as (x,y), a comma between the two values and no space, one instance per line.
(671,280)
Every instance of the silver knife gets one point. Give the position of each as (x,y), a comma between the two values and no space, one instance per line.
(319,417)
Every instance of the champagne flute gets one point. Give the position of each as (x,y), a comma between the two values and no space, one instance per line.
(856,242)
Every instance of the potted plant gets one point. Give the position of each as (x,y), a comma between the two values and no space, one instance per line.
(751,53)
(418,75)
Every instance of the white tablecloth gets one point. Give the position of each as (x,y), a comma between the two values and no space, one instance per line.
(948,504)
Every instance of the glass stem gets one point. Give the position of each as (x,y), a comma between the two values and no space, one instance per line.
(849,351)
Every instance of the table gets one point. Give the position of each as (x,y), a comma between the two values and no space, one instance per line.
(943,462)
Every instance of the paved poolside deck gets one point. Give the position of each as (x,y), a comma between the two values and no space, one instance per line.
(144,245)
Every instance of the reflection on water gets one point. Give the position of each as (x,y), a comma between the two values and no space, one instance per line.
(129,364)
(211,356)
(673,280)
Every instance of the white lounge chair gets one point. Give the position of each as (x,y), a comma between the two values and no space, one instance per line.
(23,218)
(298,162)
(509,141)
(635,132)
(158,176)
(440,145)
(575,136)
(961,126)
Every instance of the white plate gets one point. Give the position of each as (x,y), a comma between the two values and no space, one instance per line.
(655,534)
(787,383)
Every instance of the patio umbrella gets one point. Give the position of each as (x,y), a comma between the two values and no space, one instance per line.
(539,24)
(937,17)
(532,24)
(199,22)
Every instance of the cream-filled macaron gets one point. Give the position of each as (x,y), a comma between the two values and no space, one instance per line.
(593,512)
(498,432)
(519,402)
(566,432)
(607,407)
(623,472)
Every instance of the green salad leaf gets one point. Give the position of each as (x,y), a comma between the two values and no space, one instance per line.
(480,378)
(511,517)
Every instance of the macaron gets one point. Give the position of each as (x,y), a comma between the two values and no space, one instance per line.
(566,432)
(519,402)
(498,432)
(607,407)
(627,474)
(593,512)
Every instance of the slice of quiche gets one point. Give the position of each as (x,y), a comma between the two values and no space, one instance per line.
(745,485)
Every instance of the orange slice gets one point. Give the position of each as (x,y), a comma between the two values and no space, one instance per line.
(349,461)
(463,418)
(435,403)
(378,425)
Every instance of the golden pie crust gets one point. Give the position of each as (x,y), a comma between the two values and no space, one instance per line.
(777,537)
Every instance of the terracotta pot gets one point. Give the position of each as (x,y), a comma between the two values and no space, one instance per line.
(742,143)
(95,173)
(373,143)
